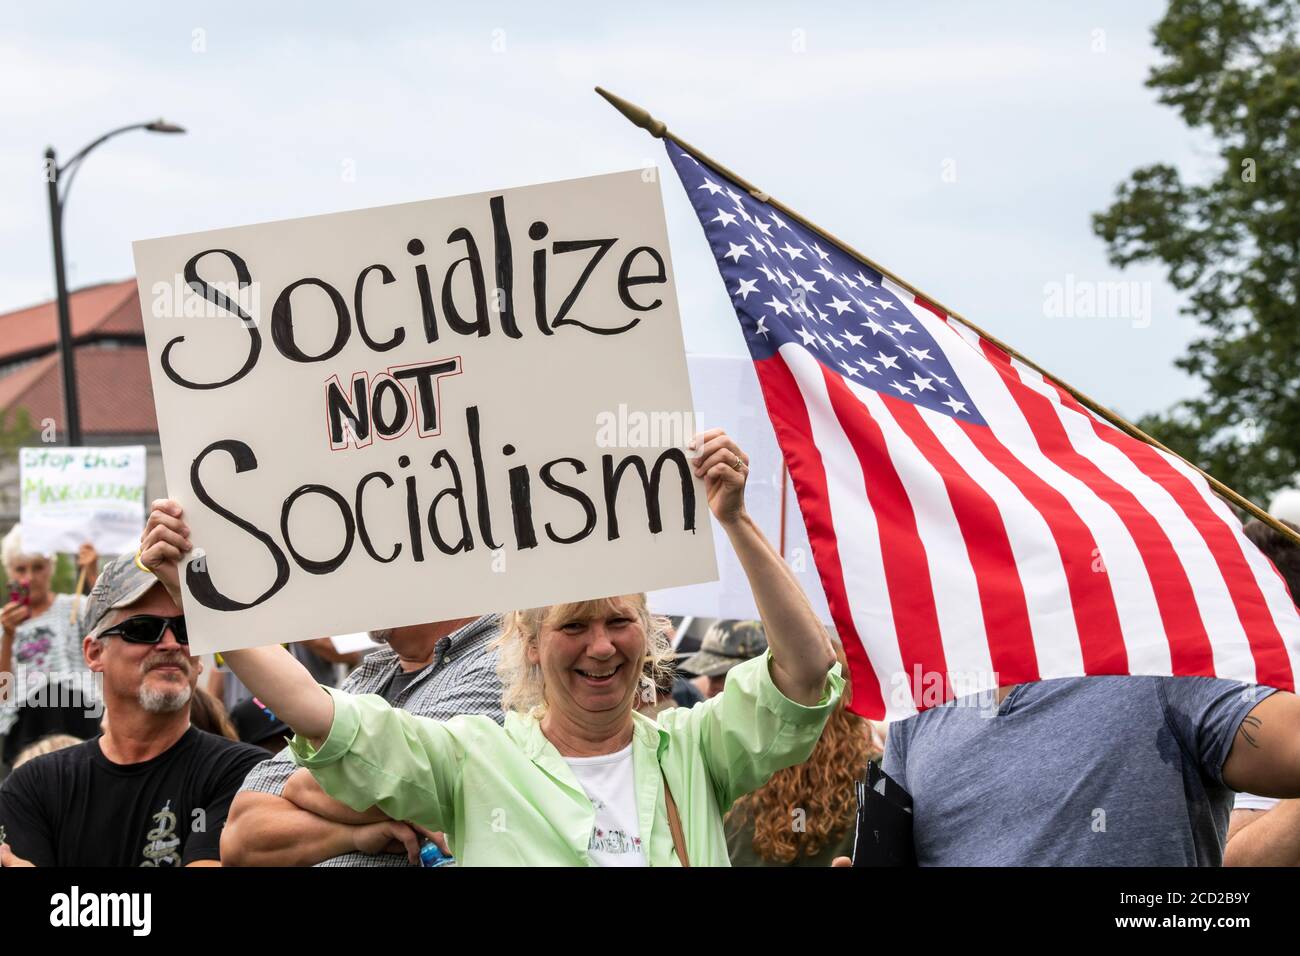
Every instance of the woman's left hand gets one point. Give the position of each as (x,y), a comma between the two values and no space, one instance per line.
(724,468)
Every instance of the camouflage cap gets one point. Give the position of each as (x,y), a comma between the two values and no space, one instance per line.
(119,584)
(726,644)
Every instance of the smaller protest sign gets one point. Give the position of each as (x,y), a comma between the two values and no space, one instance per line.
(73,495)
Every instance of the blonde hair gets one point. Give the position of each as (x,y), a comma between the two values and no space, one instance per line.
(46,745)
(523,688)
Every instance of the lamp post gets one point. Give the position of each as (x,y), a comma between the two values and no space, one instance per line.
(54,176)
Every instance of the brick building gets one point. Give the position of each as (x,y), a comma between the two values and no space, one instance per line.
(112,377)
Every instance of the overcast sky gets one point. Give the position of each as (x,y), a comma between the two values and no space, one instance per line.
(964,146)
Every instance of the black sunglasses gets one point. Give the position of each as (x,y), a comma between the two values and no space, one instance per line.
(148,629)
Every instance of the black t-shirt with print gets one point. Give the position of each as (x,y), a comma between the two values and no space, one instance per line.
(75,807)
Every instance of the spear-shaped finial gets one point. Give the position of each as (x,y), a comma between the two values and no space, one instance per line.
(636,114)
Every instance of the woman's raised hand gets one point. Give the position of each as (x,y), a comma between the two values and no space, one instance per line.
(164,544)
(724,468)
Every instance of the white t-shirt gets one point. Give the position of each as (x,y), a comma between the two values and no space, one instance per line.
(1248,801)
(610,784)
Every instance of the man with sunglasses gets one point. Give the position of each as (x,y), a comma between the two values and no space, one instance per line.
(151,790)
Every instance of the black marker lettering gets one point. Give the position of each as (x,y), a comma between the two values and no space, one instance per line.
(569,491)
(349,529)
(197,574)
(220,299)
(399,333)
(282,333)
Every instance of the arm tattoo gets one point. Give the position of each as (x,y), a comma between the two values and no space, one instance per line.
(1249,727)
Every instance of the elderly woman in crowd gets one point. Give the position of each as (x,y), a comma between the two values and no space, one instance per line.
(40,638)
(576,776)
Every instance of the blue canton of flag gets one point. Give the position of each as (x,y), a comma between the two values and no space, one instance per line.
(790,286)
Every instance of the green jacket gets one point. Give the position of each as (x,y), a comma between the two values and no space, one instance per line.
(505,797)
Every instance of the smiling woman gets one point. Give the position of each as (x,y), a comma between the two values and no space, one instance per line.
(576,776)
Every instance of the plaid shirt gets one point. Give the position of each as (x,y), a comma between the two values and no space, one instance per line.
(461,679)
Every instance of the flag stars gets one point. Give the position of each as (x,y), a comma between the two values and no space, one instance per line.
(956,406)
(922,355)
(864,280)
(792,251)
(758,246)
(888,361)
(883,303)
(712,187)
(850,370)
(902,389)
(724,217)
(762,329)
(808,337)
(780,223)
(762,227)
(776,304)
(849,282)
(867,366)
(825,273)
(903,328)
(839,305)
(822,255)
(922,384)
(735,252)
(746,287)
(876,328)
(852,339)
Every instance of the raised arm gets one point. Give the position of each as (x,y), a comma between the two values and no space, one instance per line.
(801,650)
(272,674)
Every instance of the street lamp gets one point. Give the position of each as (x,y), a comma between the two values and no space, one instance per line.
(54,174)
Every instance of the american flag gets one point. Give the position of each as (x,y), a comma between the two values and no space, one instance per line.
(972,524)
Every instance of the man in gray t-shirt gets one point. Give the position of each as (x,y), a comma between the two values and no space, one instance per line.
(1095,771)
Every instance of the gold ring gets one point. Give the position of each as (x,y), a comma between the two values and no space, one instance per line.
(141,565)
(737,464)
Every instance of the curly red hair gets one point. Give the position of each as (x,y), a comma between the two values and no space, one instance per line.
(822,787)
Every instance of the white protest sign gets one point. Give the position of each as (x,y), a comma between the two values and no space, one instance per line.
(393,416)
(73,495)
(351,643)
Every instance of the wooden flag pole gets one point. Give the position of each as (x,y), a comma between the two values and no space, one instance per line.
(657,128)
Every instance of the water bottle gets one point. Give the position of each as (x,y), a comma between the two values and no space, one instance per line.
(430,855)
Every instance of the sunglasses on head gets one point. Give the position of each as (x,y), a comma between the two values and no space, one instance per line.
(148,629)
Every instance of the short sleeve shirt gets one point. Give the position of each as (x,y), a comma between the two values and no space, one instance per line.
(1095,771)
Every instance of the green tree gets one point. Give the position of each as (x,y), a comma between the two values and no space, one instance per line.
(16,430)
(1232,243)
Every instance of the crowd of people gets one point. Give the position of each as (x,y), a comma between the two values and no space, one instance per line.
(583,734)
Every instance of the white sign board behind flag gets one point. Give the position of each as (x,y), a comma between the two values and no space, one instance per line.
(392,416)
(727,396)
(73,495)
